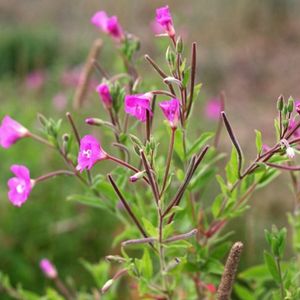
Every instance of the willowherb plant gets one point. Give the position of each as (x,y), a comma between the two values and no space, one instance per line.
(172,245)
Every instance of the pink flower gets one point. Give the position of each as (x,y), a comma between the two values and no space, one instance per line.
(48,268)
(156,28)
(104,93)
(90,153)
(164,18)
(171,110)
(292,125)
(138,105)
(109,25)
(19,186)
(213,109)
(11,131)
(35,80)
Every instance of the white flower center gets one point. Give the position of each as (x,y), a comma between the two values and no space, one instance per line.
(20,188)
(87,153)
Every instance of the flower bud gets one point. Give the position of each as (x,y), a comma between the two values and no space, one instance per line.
(280,103)
(48,268)
(179,45)
(136,176)
(290,106)
(170,57)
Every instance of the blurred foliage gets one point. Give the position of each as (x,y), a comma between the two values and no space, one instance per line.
(23,50)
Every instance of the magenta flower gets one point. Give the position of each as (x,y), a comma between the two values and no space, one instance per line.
(138,105)
(11,131)
(104,93)
(213,109)
(171,110)
(292,125)
(19,186)
(109,25)
(90,153)
(164,18)
(48,268)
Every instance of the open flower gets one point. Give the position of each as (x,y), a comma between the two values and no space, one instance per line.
(109,25)
(48,268)
(11,131)
(90,153)
(19,186)
(104,93)
(138,105)
(164,18)
(171,110)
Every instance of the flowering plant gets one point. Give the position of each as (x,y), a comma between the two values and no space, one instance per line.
(173,240)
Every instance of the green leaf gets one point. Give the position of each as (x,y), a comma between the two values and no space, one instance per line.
(216,206)
(147,264)
(186,77)
(257,273)
(223,186)
(232,167)
(99,271)
(258,141)
(151,230)
(271,264)
(178,146)
(199,143)
(267,177)
(243,293)
(88,200)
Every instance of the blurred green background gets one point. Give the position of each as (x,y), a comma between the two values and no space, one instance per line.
(249,48)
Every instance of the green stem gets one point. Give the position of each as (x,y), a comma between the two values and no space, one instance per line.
(40,139)
(169,157)
(280,275)
(54,174)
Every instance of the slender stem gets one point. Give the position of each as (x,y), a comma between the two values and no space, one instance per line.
(159,71)
(220,123)
(193,76)
(77,136)
(169,158)
(54,174)
(72,123)
(128,209)
(234,142)
(148,123)
(123,163)
(150,176)
(40,139)
(162,92)
(280,276)
(63,289)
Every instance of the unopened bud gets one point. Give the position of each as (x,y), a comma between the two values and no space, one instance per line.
(170,57)
(290,106)
(136,176)
(66,137)
(48,268)
(173,80)
(42,119)
(280,103)
(179,45)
